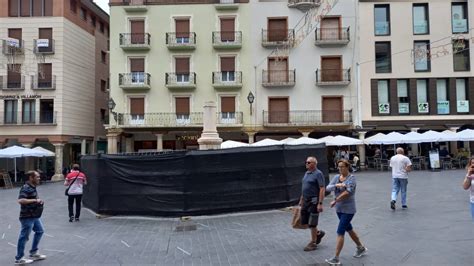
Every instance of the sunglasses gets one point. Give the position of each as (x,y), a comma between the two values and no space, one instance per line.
(309,162)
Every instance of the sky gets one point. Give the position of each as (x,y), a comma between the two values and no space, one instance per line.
(104,4)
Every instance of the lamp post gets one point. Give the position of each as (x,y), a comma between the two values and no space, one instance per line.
(250,98)
(111,104)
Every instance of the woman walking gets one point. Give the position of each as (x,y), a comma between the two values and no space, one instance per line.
(75,181)
(468,183)
(344,187)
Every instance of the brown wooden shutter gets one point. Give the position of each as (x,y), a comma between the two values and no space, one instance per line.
(227,63)
(25,8)
(47,72)
(227,29)
(278,109)
(332,109)
(37,8)
(137,28)
(14,33)
(374,97)
(182,105)
(14,76)
(45,33)
(48,7)
(277,30)
(182,65)
(13,8)
(137,65)
(137,106)
(331,68)
(182,28)
(228,104)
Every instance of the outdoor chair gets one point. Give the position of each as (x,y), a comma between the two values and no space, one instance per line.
(446,163)
(384,163)
(416,163)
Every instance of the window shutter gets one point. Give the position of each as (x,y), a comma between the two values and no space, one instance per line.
(48,7)
(137,106)
(228,104)
(227,29)
(137,65)
(45,33)
(182,105)
(14,76)
(14,33)
(137,26)
(25,8)
(277,30)
(182,65)
(47,72)
(13,8)
(182,28)
(37,8)
(227,63)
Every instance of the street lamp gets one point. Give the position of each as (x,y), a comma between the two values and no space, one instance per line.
(111,104)
(250,98)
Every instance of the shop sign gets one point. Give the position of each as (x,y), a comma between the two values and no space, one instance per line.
(26,96)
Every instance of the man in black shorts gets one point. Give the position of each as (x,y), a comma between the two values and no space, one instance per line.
(311,201)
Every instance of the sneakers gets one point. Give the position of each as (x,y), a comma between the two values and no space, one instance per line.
(71,219)
(392,205)
(37,256)
(320,236)
(23,261)
(360,251)
(77,219)
(404,206)
(310,247)
(333,261)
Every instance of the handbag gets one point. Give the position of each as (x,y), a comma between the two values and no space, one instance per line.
(66,193)
(296,222)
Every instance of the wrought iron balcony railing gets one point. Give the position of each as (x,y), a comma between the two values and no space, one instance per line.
(274,38)
(181,40)
(227,79)
(28,118)
(10,47)
(306,118)
(180,80)
(135,80)
(135,41)
(135,5)
(229,119)
(227,39)
(43,83)
(332,36)
(333,77)
(161,120)
(278,78)
(12,83)
(43,46)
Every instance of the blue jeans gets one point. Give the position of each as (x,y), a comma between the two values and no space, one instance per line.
(28,224)
(397,185)
(344,223)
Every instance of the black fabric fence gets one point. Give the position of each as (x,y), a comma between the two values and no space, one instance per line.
(198,182)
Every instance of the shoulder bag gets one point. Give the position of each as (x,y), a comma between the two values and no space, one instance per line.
(66,193)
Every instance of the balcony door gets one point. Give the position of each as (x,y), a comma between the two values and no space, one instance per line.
(14,79)
(278,110)
(277,29)
(137,111)
(45,34)
(228,69)
(227,110)
(47,111)
(278,69)
(331,68)
(137,30)
(182,30)
(182,69)
(15,34)
(45,75)
(332,109)
(182,110)
(137,69)
(227,29)
(331,28)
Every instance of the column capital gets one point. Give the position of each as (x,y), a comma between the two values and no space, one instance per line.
(114,132)
(454,129)
(362,134)
(414,129)
(305,133)
(58,145)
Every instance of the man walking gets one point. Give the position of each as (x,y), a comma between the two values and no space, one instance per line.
(311,201)
(30,213)
(401,165)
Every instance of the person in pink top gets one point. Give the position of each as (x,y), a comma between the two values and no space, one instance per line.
(75,180)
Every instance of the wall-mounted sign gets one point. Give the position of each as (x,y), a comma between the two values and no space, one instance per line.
(384,108)
(403,108)
(195,137)
(42,43)
(26,96)
(423,108)
(463,107)
(443,107)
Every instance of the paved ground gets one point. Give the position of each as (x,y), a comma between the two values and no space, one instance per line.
(436,230)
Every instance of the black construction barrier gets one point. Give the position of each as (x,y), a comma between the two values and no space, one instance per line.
(198,182)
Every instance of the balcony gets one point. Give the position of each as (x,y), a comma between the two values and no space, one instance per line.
(226,4)
(332,36)
(304,5)
(227,39)
(43,46)
(135,5)
(227,80)
(180,81)
(38,83)
(135,81)
(185,41)
(282,38)
(13,47)
(161,120)
(44,118)
(333,77)
(229,119)
(278,78)
(12,83)
(307,118)
(135,41)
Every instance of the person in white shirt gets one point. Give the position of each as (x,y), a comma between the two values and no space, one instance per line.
(400,165)
(468,183)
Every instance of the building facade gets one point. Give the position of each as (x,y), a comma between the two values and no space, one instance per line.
(54,73)
(271,73)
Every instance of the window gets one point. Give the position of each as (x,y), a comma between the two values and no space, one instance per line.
(461,96)
(459,19)
(383,97)
(45,77)
(93,21)
(182,30)
(30,8)
(25,8)
(420,19)
(383,57)
(83,13)
(28,111)
(47,111)
(227,29)
(403,96)
(421,56)
(103,85)
(227,110)
(137,110)
(228,69)
(14,78)
(422,95)
(182,110)
(277,29)
(461,55)
(182,69)
(13,8)
(103,116)
(442,96)
(382,20)
(45,34)
(137,69)
(101,27)
(11,109)
(73,5)
(103,57)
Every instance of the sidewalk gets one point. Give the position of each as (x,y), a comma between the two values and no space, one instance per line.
(435,230)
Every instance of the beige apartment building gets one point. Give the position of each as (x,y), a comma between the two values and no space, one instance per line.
(416,70)
(53,78)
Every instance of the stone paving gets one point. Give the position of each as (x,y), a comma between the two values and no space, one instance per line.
(436,229)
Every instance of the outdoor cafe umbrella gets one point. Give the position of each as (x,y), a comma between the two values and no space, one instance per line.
(304,140)
(18,152)
(232,144)
(343,141)
(466,135)
(266,142)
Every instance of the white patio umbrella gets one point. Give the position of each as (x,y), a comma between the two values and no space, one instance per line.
(285,141)
(47,153)
(392,138)
(431,136)
(375,139)
(466,135)
(18,152)
(304,140)
(232,144)
(449,135)
(412,138)
(266,142)
(343,141)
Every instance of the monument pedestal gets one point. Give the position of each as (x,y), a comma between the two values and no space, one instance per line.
(209,139)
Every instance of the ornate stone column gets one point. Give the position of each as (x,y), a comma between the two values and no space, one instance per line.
(159,142)
(129,144)
(414,147)
(453,145)
(209,138)
(305,133)
(58,165)
(112,138)
(251,135)
(361,149)
(83,147)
